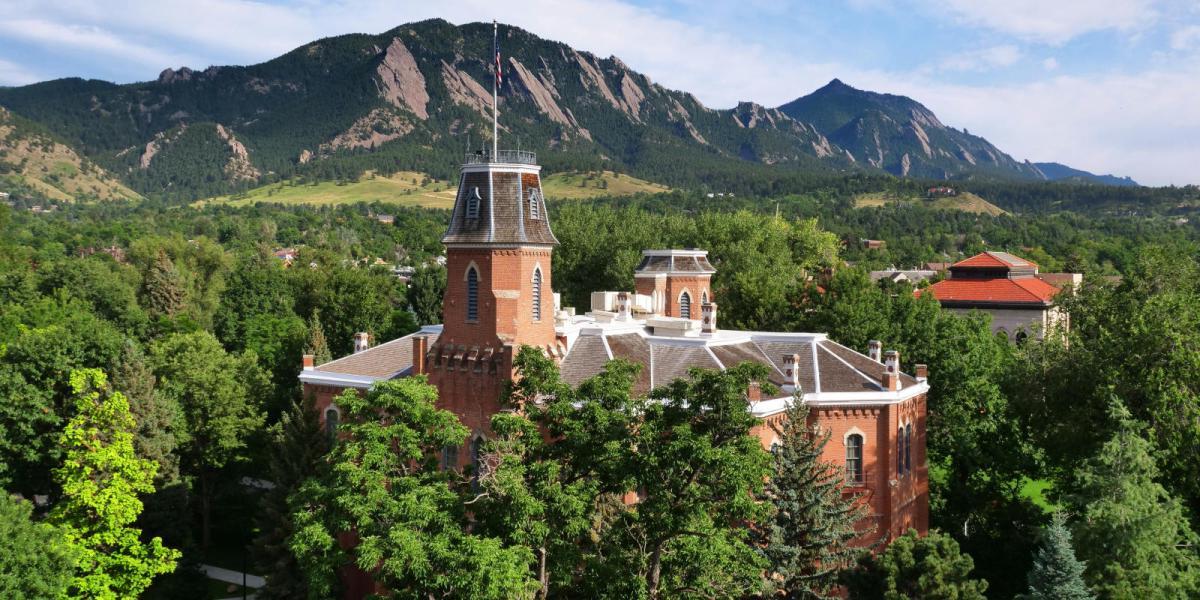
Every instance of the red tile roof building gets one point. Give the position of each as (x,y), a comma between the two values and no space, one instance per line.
(498,298)
(1008,287)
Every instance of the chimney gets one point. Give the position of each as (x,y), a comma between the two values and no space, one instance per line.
(754,392)
(921,371)
(308,362)
(362,341)
(623,309)
(891,371)
(791,370)
(708,317)
(875,350)
(420,349)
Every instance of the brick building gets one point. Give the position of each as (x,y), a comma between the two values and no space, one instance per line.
(1009,288)
(499,249)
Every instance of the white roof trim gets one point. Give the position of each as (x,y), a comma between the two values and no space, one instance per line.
(342,379)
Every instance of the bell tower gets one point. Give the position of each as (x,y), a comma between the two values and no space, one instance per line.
(498,288)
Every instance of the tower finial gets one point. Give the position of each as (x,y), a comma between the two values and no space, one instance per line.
(495,88)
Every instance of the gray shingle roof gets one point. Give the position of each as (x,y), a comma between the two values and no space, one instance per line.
(504,212)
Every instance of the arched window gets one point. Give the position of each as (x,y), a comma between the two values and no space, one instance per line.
(908,448)
(331,422)
(472,294)
(535,204)
(476,461)
(854,458)
(704,297)
(685,305)
(1021,337)
(473,201)
(900,452)
(449,457)
(537,294)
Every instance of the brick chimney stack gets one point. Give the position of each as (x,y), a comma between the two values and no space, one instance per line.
(309,361)
(708,318)
(875,350)
(921,372)
(362,341)
(891,372)
(791,370)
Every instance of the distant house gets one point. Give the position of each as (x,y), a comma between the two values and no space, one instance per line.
(873,244)
(941,191)
(913,276)
(937,266)
(287,255)
(386,219)
(1009,288)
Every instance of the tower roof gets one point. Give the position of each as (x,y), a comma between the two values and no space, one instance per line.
(500,202)
(688,261)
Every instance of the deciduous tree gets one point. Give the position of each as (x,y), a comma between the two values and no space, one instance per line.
(101,479)
(35,560)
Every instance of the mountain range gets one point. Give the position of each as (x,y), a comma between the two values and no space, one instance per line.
(416,97)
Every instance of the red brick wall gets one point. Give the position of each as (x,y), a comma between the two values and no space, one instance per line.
(505,297)
(893,508)
(696,285)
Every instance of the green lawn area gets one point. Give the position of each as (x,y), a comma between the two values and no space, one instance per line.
(964,201)
(1035,490)
(417,189)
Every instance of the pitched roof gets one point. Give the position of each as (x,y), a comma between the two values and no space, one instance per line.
(505,196)
(994,260)
(1024,290)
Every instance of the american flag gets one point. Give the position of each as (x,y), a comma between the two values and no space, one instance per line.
(496,45)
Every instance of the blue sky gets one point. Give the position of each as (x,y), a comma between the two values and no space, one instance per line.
(1103,85)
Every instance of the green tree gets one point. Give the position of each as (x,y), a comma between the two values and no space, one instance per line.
(298,444)
(698,473)
(425,293)
(35,560)
(101,478)
(317,345)
(1056,573)
(156,415)
(381,481)
(217,393)
(1133,535)
(533,493)
(809,538)
(912,567)
(163,287)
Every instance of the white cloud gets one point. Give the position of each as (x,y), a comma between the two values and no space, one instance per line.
(983,59)
(1186,38)
(14,74)
(85,38)
(1050,64)
(1053,21)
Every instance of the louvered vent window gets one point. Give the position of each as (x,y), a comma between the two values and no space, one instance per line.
(900,452)
(537,294)
(908,448)
(685,305)
(472,295)
(473,201)
(535,204)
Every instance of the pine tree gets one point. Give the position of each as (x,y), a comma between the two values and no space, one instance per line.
(154,438)
(317,346)
(101,479)
(1133,534)
(163,287)
(297,445)
(1056,573)
(808,541)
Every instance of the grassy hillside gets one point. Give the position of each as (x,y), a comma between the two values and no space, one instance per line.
(417,189)
(31,159)
(964,201)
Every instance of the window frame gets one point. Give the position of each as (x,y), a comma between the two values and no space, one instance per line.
(536,293)
(855,471)
(474,200)
(472,307)
(685,307)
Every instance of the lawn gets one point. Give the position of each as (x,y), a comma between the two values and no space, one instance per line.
(964,201)
(417,189)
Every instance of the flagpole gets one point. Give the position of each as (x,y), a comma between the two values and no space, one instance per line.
(495,101)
